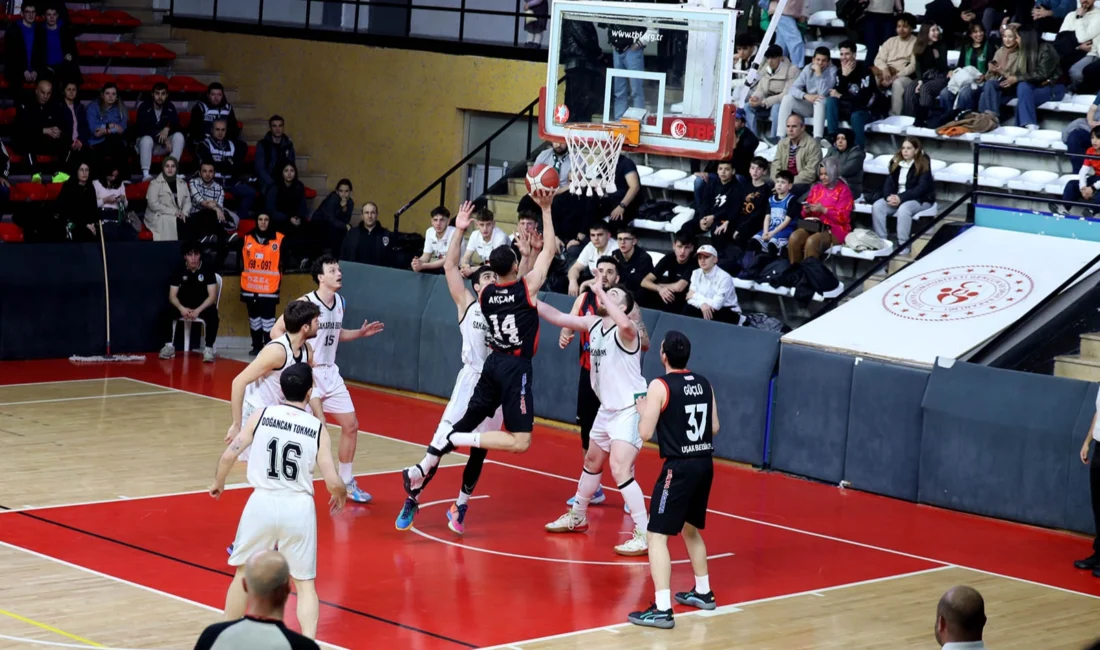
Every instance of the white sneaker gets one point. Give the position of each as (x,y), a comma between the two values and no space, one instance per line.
(209,355)
(570,522)
(168,351)
(636,545)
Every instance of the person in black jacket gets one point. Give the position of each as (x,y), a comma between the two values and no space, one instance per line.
(55,48)
(211,108)
(852,96)
(930,54)
(157,129)
(286,203)
(273,153)
(720,211)
(77,205)
(20,63)
(333,217)
(38,129)
(369,242)
(909,189)
(228,156)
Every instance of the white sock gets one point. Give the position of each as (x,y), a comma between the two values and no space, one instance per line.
(632,494)
(463,498)
(466,439)
(702,584)
(345,473)
(664,599)
(586,487)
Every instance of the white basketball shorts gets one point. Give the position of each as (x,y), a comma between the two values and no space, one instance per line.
(456,408)
(284,517)
(616,425)
(328,386)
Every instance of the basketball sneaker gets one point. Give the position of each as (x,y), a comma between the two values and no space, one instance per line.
(696,599)
(357,495)
(407,514)
(597,498)
(168,351)
(456,518)
(636,545)
(653,617)
(570,522)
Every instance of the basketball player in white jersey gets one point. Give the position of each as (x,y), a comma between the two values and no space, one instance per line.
(285,443)
(331,391)
(475,349)
(616,358)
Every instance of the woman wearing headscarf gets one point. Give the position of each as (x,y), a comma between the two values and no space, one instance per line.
(261,294)
(169,202)
(849,157)
(830,203)
(909,189)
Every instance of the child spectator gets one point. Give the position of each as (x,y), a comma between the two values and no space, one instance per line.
(721,198)
(757,189)
(666,286)
(894,65)
(777,223)
(711,294)
(1085,187)
(807,96)
(909,189)
(436,241)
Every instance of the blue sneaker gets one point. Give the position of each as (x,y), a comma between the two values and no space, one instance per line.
(597,498)
(357,495)
(407,514)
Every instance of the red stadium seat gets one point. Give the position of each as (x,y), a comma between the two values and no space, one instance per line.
(156,51)
(95,80)
(185,84)
(15,157)
(120,18)
(124,49)
(11,233)
(136,191)
(76,16)
(251,155)
(7,115)
(29,192)
(53,190)
(311,193)
(130,82)
(246,226)
(145,234)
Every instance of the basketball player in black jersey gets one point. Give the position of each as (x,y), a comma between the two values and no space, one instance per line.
(510,306)
(680,409)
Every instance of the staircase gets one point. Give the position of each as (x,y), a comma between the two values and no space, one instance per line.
(1085,365)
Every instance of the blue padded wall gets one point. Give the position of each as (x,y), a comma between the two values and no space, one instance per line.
(810,421)
(556,370)
(440,342)
(884,428)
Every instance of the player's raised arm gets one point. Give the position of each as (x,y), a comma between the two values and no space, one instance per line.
(538,274)
(229,456)
(655,399)
(553,316)
(269,358)
(567,333)
(628,332)
(455,282)
(333,482)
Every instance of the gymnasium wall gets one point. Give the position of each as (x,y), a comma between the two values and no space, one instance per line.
(390,120)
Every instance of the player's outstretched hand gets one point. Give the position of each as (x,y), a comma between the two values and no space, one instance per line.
(370,329)
(336,503)
(234,429)
(543,198)
(216,490)
(523,242)
(463,218)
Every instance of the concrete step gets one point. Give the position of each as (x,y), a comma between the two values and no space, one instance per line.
(1077,367)
(318,182)
(303,164)
(142,11)
(177,45)
(254,129)
(517,187)
(209,77)
(1090,345)
(506,209)
(153,33)
(247,112)
(189,63)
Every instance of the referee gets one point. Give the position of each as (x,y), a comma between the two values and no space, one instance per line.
(680,408)
(267,582)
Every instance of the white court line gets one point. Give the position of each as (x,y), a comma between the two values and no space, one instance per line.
(719,512)
(55,644)
(132,584)
(87,397)
(635,563)
(74,381)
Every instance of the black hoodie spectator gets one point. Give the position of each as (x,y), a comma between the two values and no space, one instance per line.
(148,124)
(32,117)
(272,156)
(857,90)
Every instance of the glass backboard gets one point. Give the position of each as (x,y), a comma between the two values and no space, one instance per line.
(670,66)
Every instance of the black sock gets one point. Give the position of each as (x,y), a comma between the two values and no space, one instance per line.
(472,472)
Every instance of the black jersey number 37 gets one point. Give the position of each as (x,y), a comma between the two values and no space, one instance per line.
(506,331)
(697,420)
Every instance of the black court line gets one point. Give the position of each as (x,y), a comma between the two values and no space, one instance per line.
(228,574)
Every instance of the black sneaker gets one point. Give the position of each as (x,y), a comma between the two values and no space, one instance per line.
(696,599)
(653,617)
(1092,562)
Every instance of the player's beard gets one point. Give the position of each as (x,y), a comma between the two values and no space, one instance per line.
(601,311)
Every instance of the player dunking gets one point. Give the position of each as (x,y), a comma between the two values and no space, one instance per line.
(615,350)
(288,442)
(680,409)
(475,350)
(510,306)
(331,391)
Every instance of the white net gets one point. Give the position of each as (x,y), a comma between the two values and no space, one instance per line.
(593,153)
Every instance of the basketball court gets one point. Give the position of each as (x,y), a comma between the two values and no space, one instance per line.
(108,539)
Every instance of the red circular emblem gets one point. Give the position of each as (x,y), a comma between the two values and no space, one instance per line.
(957,293)
(678,129)
(561,114)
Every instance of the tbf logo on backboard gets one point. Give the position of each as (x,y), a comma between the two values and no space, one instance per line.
(679,129)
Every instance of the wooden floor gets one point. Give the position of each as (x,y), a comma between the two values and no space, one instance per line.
(97,440)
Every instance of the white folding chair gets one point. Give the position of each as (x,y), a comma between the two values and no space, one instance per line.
(187,323)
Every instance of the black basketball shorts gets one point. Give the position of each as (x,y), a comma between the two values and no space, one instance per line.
(681,495)
(506,382)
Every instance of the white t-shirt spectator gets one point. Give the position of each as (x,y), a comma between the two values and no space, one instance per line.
(715,289)
(437,246)
(485,248)
(102,192)
(590,254)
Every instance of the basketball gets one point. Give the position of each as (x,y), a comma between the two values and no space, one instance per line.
(542,177)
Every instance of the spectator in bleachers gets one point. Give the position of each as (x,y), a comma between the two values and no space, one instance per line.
(849,158)
(1084,187)
(334,214)
(369,242)
(168,201)
(711,294)
(437,238)
(260,291)
(879,24)
(974,60)
(273,152)
(107,119)
(830,202)
(718,206)
(955,18)
(666,286)
(1044,15)
(622,205)
(77,205)
(757,188)
(1039,76)
(73,118)
(745,53)
(747,144)
(37,130)
(285,202)
(1078,40)
(599,245)
(852,96)
(482,242)
(778,224)
(1076,136)
(909,189)
(20,64)
(634,261)
(807,96)
(56,45)
(1000,76)
(895,66)
(787,32)
(538,12)
(930,54)
(777,76)
(157,129)
(110,193)
(206,111)
(209,220)
(227,157)
(798,153)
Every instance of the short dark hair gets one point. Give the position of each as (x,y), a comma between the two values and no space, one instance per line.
(441,210)
(160,85)
(607,259)
(908,19)
(206,163)
(298,314)
(677,349)
(629,306)
(773,52)
(528,214)
(785,175)
(484,214)
(275,118)
(29,5)
(628,230)
(318,268)
(190,246)
(215,86)
(502,260)
(761,162)
(824,51)
(600,224)
(475,279)
(296,382)
(1096,132)
(725,162)
(684,236)
(343,181)
(848,44)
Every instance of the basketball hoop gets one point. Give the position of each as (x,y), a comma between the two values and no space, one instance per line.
(593,153)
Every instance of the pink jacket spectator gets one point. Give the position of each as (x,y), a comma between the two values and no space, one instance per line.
(838,204)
